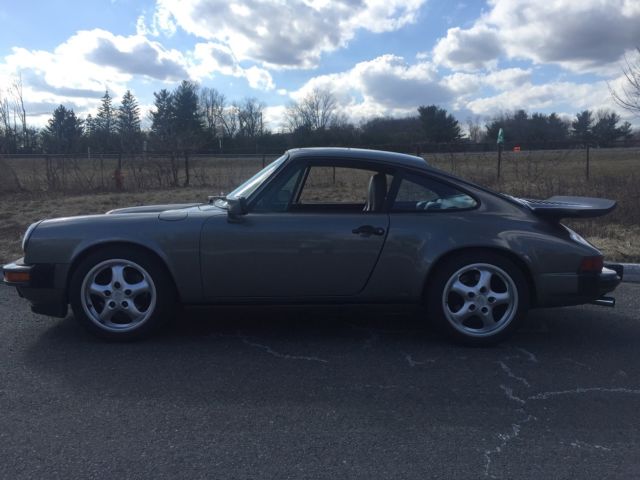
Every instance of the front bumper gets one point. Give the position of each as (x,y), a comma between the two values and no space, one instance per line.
(37,283)
(564,289)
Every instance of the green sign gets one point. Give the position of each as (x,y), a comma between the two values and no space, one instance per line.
(500,136)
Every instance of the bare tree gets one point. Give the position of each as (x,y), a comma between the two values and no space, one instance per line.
(476,135)
(7,133)
(250,122)
(230,120)
(20,111)
(628,97)
(316,111)
(213,106)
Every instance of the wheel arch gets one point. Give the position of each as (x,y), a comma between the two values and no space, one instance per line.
(509,254)
(90,249)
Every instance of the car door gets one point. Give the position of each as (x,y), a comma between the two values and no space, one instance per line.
(308,236)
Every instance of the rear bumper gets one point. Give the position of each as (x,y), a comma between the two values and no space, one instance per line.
(41,288)
(564,289)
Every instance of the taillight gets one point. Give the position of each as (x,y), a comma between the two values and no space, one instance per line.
(592,264)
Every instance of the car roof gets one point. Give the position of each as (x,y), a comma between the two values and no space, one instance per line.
(389,158)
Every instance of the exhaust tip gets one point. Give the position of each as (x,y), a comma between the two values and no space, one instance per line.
(605,301)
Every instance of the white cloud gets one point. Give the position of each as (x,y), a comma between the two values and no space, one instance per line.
(211,57)
(584,36)
(386,85)
(472,49)
(286,34)
(553,95)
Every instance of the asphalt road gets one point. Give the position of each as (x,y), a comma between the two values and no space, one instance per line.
(281,393)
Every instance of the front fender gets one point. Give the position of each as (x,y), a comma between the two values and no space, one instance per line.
(65,241)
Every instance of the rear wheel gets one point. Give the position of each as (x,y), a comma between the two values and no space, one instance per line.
(478,298)
(121,293)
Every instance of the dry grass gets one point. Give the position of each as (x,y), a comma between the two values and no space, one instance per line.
(614,173)
(16,214)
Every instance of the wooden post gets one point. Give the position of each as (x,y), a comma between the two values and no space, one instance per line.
(587,172)
(63,173)
(186,168)
(118,174)
(102,171)
(499,158)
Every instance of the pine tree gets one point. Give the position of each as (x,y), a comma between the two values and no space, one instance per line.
(162,121)
(581,127)
(63,132)
(105,124)
(128,123)
(188,127)
(438,125)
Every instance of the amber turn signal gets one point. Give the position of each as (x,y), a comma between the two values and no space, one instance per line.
(17,277)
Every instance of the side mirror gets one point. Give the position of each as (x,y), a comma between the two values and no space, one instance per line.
(236,208)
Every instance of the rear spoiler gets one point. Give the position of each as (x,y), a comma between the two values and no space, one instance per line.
(555,208)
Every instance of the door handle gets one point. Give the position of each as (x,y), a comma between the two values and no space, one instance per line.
(368,230)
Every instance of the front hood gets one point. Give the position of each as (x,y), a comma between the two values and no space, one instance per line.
(152,208)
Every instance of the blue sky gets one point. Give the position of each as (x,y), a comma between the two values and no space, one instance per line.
(379,57)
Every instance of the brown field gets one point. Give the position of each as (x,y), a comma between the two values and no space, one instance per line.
(37,187)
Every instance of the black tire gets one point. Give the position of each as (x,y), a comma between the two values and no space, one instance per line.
(478,308)
(153,306)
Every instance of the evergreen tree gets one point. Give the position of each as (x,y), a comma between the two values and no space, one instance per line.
(188,126)
(606,129)
(105,124)
(438,125)
(162,121)
(63,132)
(581,127)
(128,123)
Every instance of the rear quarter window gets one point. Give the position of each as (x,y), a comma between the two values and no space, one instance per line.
(417,194)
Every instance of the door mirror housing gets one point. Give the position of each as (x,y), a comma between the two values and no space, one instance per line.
(237,207)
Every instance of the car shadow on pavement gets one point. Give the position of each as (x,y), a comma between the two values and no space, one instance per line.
(242,354)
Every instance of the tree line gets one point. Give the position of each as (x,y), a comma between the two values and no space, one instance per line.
(191,118)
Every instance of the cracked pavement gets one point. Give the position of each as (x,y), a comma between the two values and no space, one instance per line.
(266,392)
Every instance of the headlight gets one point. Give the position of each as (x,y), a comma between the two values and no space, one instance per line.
(28,233)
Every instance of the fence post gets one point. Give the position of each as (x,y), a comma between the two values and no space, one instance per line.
(186,168)
(64,178)
(102,171)
(587,172)
(118,173)
(499,158)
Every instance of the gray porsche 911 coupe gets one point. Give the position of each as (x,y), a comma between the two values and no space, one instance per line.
(322,225)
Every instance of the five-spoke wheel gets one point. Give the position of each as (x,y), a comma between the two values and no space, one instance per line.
(118,295)
(478,297)
(121,293)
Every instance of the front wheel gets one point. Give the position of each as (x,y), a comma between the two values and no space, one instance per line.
(478,298)
(121,293)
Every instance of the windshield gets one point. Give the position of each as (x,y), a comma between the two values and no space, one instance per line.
(250,186)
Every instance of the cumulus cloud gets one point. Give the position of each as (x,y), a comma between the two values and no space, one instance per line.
(211,57)
(139,58)
(589,35)
(569,96)
(100,58)
(472,49)
(386,85)
(285,34)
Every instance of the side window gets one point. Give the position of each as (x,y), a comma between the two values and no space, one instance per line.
(279,196)
(421,194)
(335,185)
